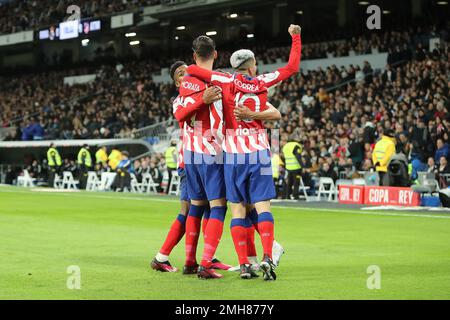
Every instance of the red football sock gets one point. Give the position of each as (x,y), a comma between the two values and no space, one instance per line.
(239,235)
(213,233)
(205,219)
(266,231)
(193,225)
(251,249)
(174,236)
(253,216)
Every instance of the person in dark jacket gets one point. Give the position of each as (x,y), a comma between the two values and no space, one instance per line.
(443,150)
(327,171)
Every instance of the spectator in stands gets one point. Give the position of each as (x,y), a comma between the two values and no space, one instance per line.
(444,167)
(11,175)
(35,169)
(122,180)
(70,165)
(431,166)
(327,171)
(443,150)
(156,174)
(137,170)
(417,165)
(356,150)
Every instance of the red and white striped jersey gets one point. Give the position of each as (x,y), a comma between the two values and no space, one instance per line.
(203,124)
(247,136)
(177,103)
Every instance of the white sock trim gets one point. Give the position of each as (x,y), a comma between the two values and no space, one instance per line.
(162,257)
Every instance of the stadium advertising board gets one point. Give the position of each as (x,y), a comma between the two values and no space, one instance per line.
(351,194)
(70,30)
(374,195)
(394,196)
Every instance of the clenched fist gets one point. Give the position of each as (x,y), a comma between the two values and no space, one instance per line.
(294,29)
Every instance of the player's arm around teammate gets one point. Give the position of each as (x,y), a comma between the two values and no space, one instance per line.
(242,112)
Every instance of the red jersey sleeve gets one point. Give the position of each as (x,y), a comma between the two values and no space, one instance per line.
(216,78)
(185,108)
(292,67)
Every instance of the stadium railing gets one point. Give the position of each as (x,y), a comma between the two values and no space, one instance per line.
(155,133)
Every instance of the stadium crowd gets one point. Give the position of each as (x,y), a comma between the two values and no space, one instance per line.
(21,15)
(336,113)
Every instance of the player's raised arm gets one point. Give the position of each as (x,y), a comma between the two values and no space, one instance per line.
(293,64)
(214,77)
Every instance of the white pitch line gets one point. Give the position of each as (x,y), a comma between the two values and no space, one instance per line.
(366,213)
(92,195)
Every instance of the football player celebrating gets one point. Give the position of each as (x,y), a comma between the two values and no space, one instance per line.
(203,157)
(161,261)
(247,169)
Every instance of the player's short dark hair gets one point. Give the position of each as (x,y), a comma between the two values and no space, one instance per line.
(174,67)
(204,47)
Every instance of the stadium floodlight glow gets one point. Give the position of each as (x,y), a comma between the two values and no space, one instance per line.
(130,34)
(442,3)
(363,3)
(233,15)
(211,33)
(386,12)
(300,12)
(177,38)
(134,43)
(84,42)
(181,27)
(250,35)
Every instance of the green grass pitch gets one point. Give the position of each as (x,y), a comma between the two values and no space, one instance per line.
(112,238)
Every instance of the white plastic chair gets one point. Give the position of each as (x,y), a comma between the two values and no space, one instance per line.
(26,180)
(107,180)
(303,189)
(57,183)
(93,182)
(326,187)
(174,187)
(148,184)
(135,185)
(68,181)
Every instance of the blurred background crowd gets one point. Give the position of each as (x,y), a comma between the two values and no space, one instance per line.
(336,113)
